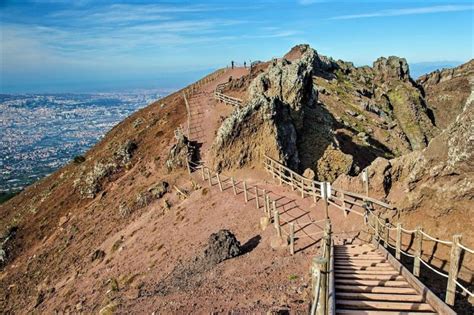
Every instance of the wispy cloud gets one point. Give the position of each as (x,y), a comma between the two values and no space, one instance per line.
(406,11)
(309,2)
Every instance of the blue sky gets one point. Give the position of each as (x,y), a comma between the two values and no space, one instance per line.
(85,45)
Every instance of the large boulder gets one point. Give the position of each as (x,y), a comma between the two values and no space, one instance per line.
(221,246)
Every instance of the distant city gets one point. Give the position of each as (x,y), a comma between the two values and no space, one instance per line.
(41,132)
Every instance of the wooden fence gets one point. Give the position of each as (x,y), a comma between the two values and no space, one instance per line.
(349,201)
(382,230)
(221,97)
(322,276)
(227,99)
(262,200)
(344,200)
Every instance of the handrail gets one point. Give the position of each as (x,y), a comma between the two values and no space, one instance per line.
(454,259)
(227,99)
(323,276)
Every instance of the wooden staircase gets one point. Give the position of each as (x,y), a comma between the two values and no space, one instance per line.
(366,283)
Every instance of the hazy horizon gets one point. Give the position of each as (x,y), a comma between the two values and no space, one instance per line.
(57,46)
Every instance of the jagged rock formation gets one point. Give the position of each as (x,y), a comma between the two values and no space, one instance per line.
(310,111)
(438,179)
(446,92)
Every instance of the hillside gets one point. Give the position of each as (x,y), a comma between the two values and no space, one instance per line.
(126,229)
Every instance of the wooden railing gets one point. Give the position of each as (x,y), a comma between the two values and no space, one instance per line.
(382,230)
(348,201)
(227,99)
(345,200)
(322,276)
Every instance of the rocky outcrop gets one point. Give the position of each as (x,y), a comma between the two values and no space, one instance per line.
(438,178)
(446,92)
(270,121)
(294,110)
(180,153)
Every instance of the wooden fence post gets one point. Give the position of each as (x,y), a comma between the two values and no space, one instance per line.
(343,196)
(257,201)
(302,187)
(292,238)
(187,165)
(245,192)
(291,181)
(313,186)
(399,241)
(453,270)
(280,174)
(418,251)
(377,229)
(233,185)
(209,177)
(386,235)
(268,206)
(320,271)
(276,218)
(219,181)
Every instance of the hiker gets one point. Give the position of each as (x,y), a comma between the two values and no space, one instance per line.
(232,64)
(245,64)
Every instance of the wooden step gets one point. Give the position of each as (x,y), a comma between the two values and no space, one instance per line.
(366,272)
(358,254)
(378,296)
(364,268)
(376,305)
(362,263)
(366,312)
(375,289)
(374,283)
(363,257)
(369,277)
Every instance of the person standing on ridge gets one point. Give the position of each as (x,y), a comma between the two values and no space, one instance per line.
(232,64)
(245,64)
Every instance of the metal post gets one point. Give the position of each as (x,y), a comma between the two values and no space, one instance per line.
(366,181)
(453,270)
(326,199)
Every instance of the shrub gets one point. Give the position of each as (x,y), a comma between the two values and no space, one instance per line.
(78,159)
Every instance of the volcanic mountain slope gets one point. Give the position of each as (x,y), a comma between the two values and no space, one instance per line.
(446,91)
(325,115)
(124,230)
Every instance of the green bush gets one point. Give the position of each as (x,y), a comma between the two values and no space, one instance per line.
(79,159)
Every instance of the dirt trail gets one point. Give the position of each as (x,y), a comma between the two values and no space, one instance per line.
(307,216)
